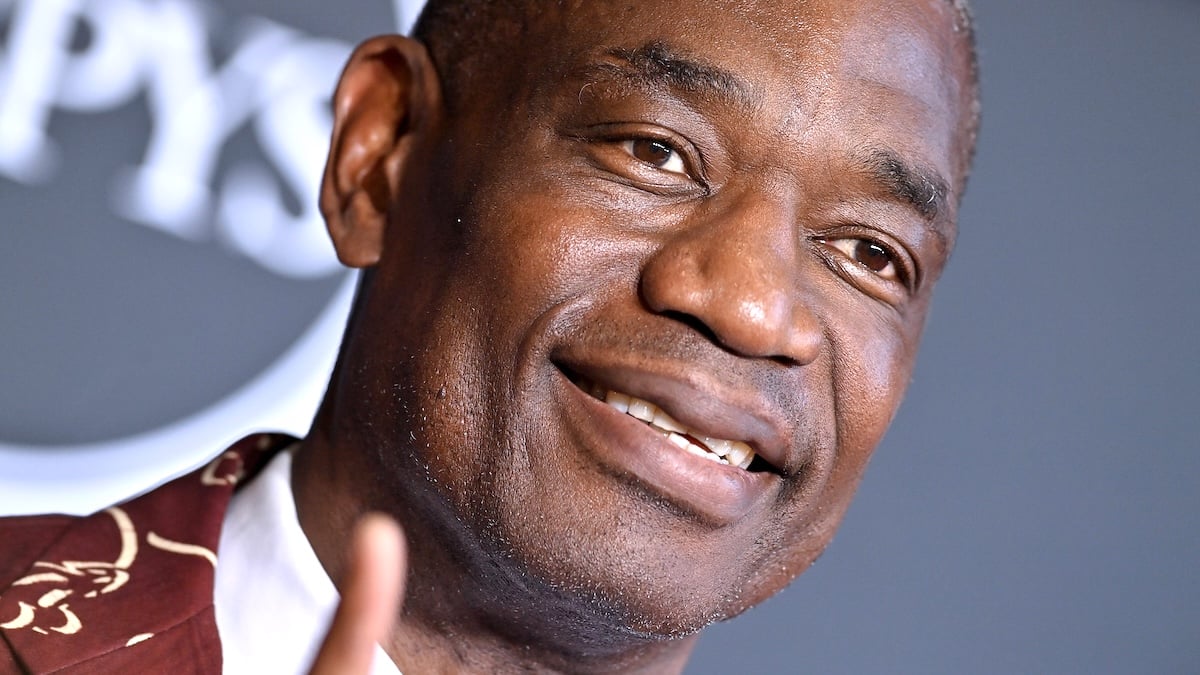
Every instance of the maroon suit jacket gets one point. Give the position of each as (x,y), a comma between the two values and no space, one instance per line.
(128,589)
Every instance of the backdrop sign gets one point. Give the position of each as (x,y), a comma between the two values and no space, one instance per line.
(167,281)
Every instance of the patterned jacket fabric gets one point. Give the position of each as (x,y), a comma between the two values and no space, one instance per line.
(128,589)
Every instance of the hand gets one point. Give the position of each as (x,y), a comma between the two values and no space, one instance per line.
(371,597)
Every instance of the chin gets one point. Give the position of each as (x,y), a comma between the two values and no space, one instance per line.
(600,589)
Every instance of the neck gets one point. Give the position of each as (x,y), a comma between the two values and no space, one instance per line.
(462,613)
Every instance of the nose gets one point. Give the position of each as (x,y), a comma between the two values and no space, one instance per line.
(735,276)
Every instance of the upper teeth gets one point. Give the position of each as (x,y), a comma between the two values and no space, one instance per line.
(720,450)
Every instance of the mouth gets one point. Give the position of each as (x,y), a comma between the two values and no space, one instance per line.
(662,435)
(723,451)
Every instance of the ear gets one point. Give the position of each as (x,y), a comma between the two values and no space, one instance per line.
(387,97)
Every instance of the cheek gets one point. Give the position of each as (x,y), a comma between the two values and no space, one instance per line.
(873,381)
(547,247)
(871,371)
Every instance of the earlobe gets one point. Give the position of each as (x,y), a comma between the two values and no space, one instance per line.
(387,96)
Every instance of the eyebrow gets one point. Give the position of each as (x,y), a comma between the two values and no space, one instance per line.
(921,188)
(656,64)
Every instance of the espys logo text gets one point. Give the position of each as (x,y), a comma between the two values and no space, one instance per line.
(276,81)
(232,116)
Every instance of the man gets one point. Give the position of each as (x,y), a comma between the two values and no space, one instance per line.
(642,287)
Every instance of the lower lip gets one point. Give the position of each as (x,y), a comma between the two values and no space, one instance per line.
(717,494)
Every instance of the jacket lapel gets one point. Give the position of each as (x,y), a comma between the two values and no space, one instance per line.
(133,582)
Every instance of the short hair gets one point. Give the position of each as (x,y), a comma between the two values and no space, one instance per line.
(965,23)
(462,34)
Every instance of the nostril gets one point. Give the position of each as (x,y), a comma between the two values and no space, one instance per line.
(703,328)
(694,323)
(786,361)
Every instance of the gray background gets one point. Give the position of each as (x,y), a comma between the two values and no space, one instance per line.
(1034,508)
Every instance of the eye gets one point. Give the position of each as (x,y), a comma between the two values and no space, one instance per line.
(872,255)
(656,153)
(646,157)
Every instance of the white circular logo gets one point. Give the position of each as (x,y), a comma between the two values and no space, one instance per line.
(169,283)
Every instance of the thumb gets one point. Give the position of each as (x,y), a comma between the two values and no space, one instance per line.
(372,592)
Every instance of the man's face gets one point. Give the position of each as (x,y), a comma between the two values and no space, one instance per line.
(731,213)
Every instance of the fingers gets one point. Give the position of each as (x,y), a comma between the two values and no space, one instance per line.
(371,595)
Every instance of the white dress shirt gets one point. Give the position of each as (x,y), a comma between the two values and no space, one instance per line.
(273,600)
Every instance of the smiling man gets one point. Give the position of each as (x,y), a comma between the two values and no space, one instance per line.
(643,285)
